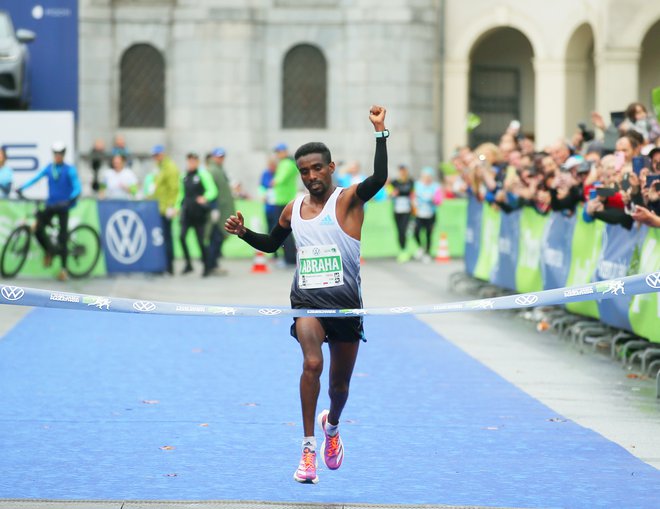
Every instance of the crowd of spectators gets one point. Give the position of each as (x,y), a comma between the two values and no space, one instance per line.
(613,171)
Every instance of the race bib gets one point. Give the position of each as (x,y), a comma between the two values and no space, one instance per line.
(319,267)
(402,204)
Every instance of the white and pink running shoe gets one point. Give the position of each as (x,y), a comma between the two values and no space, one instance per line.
(332,447)
(306,472)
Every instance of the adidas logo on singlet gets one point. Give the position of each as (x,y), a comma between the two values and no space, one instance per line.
(327,220)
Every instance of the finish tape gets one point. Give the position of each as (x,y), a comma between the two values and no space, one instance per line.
(610,289)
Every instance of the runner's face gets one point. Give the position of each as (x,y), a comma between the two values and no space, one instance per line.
(315,174)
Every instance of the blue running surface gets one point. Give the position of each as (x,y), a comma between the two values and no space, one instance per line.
(102,406)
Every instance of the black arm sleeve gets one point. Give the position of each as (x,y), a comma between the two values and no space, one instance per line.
(268,243)
(368,188)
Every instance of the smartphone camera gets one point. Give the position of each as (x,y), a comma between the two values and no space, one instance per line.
(587,135)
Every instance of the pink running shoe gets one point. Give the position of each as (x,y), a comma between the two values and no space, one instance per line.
(332,447)
(306,472)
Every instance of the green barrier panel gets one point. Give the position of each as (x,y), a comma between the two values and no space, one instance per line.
(644,310)
(379,237)
(13,213)
(585,250)
(488,250)
(452,220)
(528,269)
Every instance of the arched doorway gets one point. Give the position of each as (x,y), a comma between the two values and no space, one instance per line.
(501,83)
(580,78)
(649,67)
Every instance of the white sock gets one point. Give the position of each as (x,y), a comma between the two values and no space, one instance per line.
(331,429)
(309,442)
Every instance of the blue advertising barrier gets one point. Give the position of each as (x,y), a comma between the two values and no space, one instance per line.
(556,253)
(131,236)
(53,63)
(472,234)
(615,259)
(504,272)
(602,256)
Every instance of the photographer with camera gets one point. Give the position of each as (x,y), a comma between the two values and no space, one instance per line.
(567,188)
(644,193)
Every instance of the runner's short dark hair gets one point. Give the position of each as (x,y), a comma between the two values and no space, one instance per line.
(314,147)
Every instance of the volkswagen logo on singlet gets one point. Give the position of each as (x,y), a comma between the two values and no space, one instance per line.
(126,236)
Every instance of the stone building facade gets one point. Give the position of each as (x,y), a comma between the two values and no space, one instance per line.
(194,74)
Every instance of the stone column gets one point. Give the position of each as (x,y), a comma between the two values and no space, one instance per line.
(617,79)
(457,84)
(550,101)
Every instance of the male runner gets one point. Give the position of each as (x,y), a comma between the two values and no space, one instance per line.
(327,225)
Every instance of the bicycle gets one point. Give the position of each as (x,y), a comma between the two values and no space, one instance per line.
(83,245)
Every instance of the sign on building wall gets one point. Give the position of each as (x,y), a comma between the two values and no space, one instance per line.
(52,61)
(28,136)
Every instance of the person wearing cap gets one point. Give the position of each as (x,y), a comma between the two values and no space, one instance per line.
(196,192)
(285,188)
(63,191)
(567,188)
(6,174)
(221,208)
(166,191)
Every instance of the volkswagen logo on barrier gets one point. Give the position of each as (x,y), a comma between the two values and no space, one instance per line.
(126,236)
(144,306)
(526,300)
(270,312)
(12,292)
(653,280)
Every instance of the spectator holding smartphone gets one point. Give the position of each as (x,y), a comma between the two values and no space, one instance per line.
(605,200)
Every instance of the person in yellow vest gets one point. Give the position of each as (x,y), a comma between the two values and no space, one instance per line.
(166,191)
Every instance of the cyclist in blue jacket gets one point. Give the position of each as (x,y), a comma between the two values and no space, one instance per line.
(63,190)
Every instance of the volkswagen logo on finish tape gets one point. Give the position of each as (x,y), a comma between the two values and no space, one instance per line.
(526,300)
(12,292)
(269,311)
(126,236)
(144,305)
(653,280)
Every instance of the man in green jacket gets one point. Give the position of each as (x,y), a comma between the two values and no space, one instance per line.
(166,191)
(221,208)
(285,188)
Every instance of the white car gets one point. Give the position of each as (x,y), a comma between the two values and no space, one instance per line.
(14,59)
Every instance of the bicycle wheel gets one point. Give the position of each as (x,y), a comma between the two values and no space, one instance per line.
(84,249)
(15,251)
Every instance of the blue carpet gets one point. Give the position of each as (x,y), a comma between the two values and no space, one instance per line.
(104,406)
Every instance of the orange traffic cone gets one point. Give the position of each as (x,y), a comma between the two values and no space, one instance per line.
(259,263)
(442,256)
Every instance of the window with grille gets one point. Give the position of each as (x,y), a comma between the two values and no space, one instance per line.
(495,97)
(304,88)
(142,87)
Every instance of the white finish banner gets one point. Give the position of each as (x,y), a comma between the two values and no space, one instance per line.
(28,136)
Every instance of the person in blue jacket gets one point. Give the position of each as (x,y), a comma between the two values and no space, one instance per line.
(63,190)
